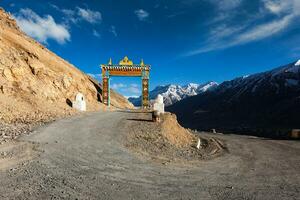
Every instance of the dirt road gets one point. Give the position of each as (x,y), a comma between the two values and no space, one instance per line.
(84,157)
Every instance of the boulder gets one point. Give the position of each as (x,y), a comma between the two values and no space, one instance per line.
(295,134)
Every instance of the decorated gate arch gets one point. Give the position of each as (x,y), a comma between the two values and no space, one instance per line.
(125,68)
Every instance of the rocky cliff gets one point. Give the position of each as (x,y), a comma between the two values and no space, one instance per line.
(36,84)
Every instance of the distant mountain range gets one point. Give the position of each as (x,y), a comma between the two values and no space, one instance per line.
(263,104)
(175,93)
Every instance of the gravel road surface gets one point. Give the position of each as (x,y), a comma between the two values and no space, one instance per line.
(84,157)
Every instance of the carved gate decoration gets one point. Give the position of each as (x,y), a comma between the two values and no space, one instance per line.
(125,68)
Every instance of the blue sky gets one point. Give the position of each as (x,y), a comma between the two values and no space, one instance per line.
(183,40)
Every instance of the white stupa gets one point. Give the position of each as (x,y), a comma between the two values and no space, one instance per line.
(159,104)
(79,102)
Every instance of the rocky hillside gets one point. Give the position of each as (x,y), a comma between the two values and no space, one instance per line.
(264,104)
(36,84)
(175,93)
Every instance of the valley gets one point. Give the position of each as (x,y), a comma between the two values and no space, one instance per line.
(264,104)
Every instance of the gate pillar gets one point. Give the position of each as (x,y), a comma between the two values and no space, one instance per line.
(145,90)
(106,89)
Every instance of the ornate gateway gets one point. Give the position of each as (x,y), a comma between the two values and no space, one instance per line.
(125,68)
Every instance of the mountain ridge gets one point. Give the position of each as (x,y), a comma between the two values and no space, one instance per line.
(263,104)
(173,93)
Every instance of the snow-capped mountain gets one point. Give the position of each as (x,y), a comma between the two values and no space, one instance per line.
(174,93)
(265,104)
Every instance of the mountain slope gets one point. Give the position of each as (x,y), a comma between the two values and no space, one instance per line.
(264,104)
(175,93)
(36,84)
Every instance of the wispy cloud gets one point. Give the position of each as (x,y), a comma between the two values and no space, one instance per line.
(244,36)
(79,14)
(69,16)
(117,86)
(96,34)
(176,14)
(275,17)
(141,14)
(226,4)
(113,31)
(89,15)
(41,28)
(277,7)
(132,89)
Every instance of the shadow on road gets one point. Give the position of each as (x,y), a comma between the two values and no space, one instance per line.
(133,111)
(140,120)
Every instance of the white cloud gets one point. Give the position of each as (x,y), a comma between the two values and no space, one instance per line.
(69,16)
(117,86)
(132,89)
(79,14)
(264,30)
(90,16)
(41,28)
(278,6)
(225,10)
(226,34)
(132,96)
(226,4)
(246,36)
(96,34)
(113,31)
(141,14)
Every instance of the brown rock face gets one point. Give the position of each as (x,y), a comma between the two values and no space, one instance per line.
(176,134)
(36,84)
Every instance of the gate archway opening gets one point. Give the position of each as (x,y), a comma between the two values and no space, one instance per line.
(125,68)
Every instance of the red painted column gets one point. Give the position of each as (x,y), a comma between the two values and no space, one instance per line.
(145,93)
(105,91)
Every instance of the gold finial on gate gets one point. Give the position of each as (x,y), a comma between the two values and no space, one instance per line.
(110,62)
(142,62)
(125,61)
